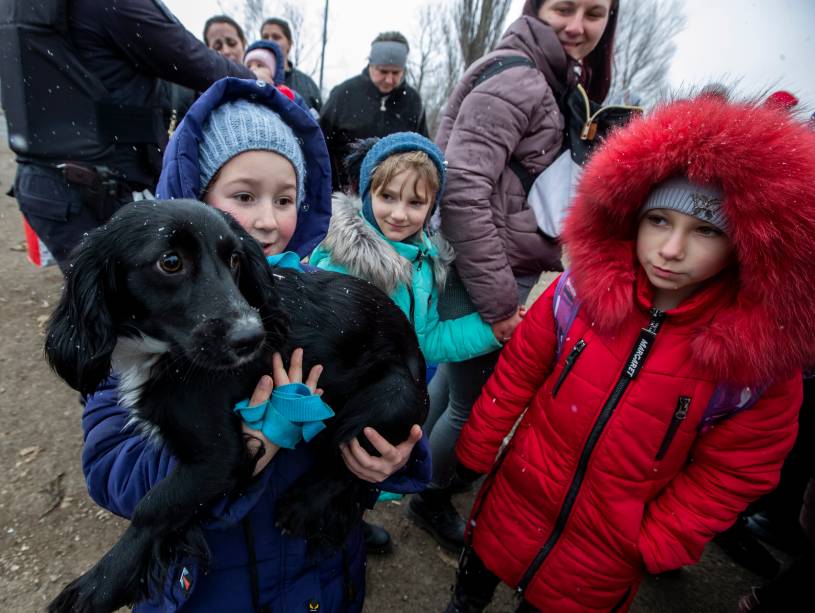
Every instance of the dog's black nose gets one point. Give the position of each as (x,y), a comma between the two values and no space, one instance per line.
(245,340)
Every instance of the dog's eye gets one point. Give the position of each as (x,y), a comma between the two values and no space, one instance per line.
(234,261)
(170,262)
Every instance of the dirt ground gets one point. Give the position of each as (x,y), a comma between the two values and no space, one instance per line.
(50,531)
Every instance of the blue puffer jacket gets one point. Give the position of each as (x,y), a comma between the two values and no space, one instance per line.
(121,465)
(179,174)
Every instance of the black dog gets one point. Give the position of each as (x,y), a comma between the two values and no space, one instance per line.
(183,302)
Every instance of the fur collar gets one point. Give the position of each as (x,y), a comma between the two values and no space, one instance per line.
(356,245)
(765,163)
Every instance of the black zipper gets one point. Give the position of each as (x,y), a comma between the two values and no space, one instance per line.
(680,414)
(578,348)
(633,365)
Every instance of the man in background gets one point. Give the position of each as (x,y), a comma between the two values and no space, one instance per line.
(376,102)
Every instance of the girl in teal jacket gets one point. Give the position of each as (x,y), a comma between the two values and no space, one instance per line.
(381,237)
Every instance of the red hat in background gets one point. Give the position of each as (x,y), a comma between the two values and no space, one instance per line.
(781,100)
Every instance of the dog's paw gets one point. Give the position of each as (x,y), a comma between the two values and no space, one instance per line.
(87,594)
(322,512)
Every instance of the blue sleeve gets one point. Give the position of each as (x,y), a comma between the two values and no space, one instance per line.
(415,475)
(121,464)
(451,340)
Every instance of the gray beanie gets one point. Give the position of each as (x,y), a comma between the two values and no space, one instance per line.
(680,194)
(240,125)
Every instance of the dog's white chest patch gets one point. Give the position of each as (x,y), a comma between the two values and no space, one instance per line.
(133,359)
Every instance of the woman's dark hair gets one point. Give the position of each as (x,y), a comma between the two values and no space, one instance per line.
(280,23)
(223,19)
(597,64)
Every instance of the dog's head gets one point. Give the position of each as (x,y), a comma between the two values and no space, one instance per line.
(178,275)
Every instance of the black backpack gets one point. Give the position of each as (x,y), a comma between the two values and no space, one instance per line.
(55,108)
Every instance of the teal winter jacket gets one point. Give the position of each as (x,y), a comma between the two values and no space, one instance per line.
(411,273)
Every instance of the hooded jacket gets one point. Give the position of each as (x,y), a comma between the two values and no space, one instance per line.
(357,109)
(600,484)
(179,174)
(512,114)
(280,61)
(411,273)
(121,465)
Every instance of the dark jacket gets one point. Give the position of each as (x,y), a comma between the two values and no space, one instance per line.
(129,46)
(357,109)
(304,85)
(121,465)
(179,177)
(484,213)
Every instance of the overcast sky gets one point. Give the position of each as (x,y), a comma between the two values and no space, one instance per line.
(762,43)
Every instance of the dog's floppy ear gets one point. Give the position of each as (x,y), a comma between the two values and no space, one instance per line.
(81,335)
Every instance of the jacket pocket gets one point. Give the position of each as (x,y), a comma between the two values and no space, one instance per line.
(681,412)
(571,359)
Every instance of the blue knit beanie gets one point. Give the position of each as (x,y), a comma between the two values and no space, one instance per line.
(240,125)
(400,142)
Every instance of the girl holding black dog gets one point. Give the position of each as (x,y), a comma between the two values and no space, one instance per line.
(249,151)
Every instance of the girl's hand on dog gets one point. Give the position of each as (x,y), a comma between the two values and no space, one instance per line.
(377,469)
(262,393)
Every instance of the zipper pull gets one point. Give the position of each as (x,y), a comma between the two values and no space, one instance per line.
(657,317)
(382,104)
(682,408)
(421,259)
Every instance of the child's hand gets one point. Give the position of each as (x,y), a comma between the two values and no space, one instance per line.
(503,329)
(376,469)
(262,393)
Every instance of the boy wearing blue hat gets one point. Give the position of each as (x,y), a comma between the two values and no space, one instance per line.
(245,149)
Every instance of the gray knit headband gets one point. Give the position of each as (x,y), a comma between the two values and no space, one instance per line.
(388,53)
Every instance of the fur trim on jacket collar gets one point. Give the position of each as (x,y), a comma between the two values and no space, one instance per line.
(357,246)
(764,162)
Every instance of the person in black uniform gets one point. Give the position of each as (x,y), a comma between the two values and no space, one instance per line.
(89,99)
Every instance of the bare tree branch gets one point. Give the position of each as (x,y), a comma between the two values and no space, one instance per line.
(643,49)
(306,29)
(453,36)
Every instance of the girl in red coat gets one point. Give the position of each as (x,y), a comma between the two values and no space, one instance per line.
(670,399)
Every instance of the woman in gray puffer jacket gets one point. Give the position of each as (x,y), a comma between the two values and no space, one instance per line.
(491,126)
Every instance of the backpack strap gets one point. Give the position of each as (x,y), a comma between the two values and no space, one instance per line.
(501,64)
(565,307)
(727,401)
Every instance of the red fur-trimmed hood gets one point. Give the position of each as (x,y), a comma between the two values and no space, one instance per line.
(765,164)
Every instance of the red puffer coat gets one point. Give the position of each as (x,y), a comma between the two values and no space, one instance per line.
(598,485)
